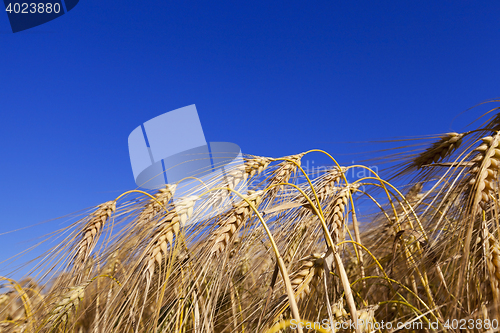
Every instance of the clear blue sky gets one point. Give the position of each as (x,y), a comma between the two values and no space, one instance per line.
(276,79)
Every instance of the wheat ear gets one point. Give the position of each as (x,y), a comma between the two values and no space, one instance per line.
(327,186)
(251,167)
(254,166)
(91,232)
(439,150)
(283,173)
(414,193)
(493,263)
(484,172)
(69,302)
(335,215)
(153,207)
(164,235)
(366,318)
(482,181)
(232,221)
(241,173)
(308,275)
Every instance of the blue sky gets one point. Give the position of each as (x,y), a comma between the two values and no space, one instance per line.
(276,78)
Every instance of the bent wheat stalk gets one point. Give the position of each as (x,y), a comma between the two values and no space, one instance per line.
(281,263)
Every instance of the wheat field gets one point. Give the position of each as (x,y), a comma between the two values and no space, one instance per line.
(271,248)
